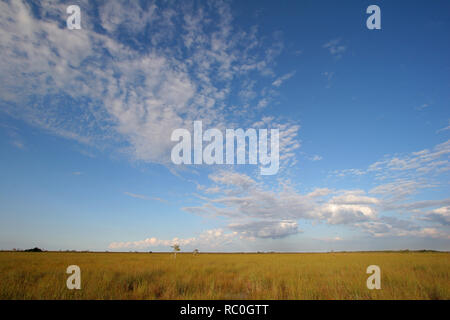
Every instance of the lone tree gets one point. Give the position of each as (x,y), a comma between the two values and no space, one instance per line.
(176,248)
(195,252)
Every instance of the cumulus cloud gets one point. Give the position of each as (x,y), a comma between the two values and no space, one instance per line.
(347,213)
(208,239)
(255,211)
(320,192)
(402,176)
(243,197)
(266,229)
(260,212)
(274,213)
(439,215)
(353,197)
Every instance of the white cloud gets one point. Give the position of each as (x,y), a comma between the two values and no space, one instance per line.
(234,179)
(123,95)
(137,196)
(328,75)
(414,205)
(319,192)
(239,197)
(278,82)
(421,161)
(266,228)
(208,239)
(354,197)
(130,98)
(393,229)
(330,239)
(347,213)
(335,47)
(439,215)
(15,138)
(423,106)
(406,171)
(398,189)
(257,211)
(144,197)
(444,129)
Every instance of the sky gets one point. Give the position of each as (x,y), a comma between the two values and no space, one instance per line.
(86,117)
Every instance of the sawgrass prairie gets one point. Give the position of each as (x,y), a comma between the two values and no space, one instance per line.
(404,275)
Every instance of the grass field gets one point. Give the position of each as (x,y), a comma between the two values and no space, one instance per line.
(409,275)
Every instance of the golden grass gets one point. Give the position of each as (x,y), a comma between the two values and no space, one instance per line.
(412,275)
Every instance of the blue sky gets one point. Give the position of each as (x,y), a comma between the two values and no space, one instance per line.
(86,118)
